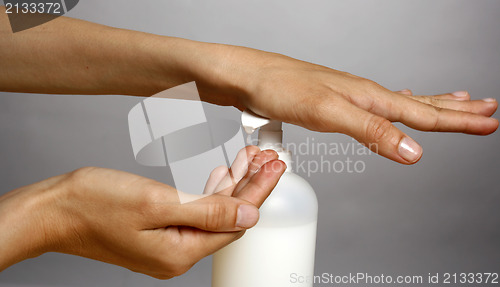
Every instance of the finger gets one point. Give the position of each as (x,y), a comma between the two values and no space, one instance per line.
(215,178)
(240,165)
(223,213)
(197,244)
(406,92)
(456,96)
(485,107)
(426,117)
(460,101)
(219,212)
(378,134)
(258,161)
(256,191)
(238,169)
(216,213)
(262,183)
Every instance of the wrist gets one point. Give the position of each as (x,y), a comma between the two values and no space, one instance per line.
(222,73)
(148,64)
(233,75)
(24,214)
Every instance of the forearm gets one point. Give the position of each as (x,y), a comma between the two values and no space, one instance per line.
(70,56)
(14,237)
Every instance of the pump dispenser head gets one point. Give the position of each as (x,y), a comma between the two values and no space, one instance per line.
(270,134)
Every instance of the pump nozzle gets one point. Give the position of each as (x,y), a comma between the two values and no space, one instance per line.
(251,121)
(270,135)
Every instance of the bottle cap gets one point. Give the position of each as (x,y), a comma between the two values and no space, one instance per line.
(270,134)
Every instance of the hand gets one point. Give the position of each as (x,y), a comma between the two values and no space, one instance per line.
(326,100)
(269,84)
(132,221)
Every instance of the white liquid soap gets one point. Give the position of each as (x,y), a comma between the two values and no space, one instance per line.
(281,247)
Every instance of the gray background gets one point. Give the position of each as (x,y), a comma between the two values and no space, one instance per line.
(440,215)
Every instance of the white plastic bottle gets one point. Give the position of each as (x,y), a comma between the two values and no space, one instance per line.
(279,251)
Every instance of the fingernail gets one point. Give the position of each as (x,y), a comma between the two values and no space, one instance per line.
(489,100)
(460,94)
(409,149)
(247,216)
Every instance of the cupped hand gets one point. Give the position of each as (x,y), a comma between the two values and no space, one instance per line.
(136,222)
(326,100)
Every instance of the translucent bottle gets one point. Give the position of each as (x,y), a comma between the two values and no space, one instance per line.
(279,251)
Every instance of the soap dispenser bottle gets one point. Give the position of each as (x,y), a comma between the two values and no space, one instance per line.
(279,251)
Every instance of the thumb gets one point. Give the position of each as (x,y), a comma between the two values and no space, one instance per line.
(222,213)
(217,213)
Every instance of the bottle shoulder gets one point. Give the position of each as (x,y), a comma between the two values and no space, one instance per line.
(294,181)
(292,202)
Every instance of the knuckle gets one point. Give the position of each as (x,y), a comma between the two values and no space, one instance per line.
(406,92)
(250,150)
(215,216)
(153,195)
(82,173)
(181,266)
(370,85)
(162,276)
(79,178)
(435,123)
(170,270)
(431,101)
(167,266)
(323,104)
(437,109)
(320,108)
(377,129)
(179,270)
(219,171)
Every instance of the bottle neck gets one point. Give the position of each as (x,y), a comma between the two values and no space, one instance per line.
(270,138)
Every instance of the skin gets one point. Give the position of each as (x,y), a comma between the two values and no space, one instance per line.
(132,221)
(73,213)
